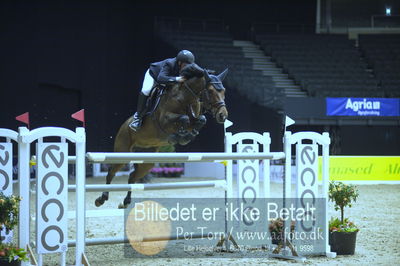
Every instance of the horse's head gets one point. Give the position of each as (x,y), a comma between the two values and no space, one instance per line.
(215,95)
(208,88)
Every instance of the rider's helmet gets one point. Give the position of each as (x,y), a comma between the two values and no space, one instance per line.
(185,56)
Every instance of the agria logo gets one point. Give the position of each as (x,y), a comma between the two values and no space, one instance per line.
(364,107)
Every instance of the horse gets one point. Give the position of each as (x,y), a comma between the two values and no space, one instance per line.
(177,119)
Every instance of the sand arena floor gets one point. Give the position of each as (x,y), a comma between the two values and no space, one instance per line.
(376,212)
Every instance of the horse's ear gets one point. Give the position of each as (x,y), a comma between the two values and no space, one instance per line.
(222,76)
(206,75)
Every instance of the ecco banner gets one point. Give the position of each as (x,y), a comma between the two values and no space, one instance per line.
(307,199)
(52,196)
(6,182)
(362,107)
(6,157)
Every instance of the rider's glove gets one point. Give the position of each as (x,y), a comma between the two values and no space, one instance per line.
(180,79)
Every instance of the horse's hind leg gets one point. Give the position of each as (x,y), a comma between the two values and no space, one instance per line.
(110,175)
(123,143)
(140,171)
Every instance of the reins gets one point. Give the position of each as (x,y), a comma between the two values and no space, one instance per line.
(197,96)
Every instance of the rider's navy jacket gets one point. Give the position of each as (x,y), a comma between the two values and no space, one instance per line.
(165,71)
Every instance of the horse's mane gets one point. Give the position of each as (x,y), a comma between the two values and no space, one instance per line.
(192,70)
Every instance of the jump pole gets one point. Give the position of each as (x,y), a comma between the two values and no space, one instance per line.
(145,157)
(123,240)
(146,187)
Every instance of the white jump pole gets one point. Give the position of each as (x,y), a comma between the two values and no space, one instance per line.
(80,195)
(325,188)
(157,186)
(24,188)
(122,240)
(141,157)
(229,181)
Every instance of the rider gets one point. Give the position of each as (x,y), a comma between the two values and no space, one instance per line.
(163,72)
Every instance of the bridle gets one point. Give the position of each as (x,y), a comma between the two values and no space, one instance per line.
(218,105)
(204,96)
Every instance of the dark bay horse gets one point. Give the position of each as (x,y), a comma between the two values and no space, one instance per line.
(177,120)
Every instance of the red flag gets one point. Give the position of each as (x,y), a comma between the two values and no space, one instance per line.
(24,118)
(80,115)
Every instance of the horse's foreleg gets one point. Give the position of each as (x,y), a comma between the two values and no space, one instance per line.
(181,122)
(140,171)
(189,131)
(198,123)
(110,175)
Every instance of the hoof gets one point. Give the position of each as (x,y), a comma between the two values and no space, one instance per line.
(194,132)
(182,132)
(123,206)
(186,139)
(173,139)
(184,142)
(99,201)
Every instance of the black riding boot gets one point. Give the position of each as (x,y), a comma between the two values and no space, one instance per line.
(141,110)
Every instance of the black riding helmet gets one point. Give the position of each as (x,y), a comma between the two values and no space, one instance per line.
(185,56)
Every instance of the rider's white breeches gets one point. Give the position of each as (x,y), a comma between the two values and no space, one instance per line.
(148,83)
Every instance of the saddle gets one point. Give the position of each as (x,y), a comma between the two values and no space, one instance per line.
(154,99)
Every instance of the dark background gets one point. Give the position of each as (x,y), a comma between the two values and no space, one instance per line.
(57,57)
